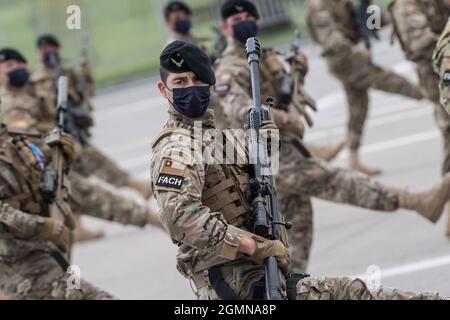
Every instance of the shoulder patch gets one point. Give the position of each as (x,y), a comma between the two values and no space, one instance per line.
(171,174)
(169,181)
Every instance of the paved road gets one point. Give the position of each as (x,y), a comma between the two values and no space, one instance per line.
(401,137)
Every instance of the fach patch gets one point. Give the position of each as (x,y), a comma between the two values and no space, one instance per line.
(171,175)
(169,181)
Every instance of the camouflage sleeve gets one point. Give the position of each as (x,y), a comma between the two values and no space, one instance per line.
(441,64)
(325,29)
(19,119)
(94,200)
(178,185)
(232,90)
(18,223)
(413,29)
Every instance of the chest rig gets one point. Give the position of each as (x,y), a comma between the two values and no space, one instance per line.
(20,157)
(225,185)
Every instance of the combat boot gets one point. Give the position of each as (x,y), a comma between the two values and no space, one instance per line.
(429,204)
(328,152)
(81,234)
(356,165)
(143,188)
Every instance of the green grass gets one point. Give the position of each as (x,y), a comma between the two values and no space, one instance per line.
(125,37)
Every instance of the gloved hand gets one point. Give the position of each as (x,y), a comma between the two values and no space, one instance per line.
(299,64)
(291,122)
(56,232)
(69,147)
(270,134)
(271,248)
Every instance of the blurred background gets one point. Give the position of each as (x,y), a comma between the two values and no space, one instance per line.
(124,38)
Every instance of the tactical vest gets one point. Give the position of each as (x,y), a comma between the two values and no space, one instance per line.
(225,185)
(29,197)
(342,12)
(436,12)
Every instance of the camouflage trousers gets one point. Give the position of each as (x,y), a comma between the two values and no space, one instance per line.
(39,276)
(338,288)
(430,83)
(94,162)
(94,200)
(357,76)
(299,179)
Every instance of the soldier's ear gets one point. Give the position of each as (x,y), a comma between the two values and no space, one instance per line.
(163,89)
(224,26)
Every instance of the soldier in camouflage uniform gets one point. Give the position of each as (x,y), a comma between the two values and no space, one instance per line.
(178,19)
(417,25)
(441,64)
(202,203)
(22,112)
(300,178)
(93,162)
(333,26)
(33,246)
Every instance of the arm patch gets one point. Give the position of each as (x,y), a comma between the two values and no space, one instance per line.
(171,175)
(169,181)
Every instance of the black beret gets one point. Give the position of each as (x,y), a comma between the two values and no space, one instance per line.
(7,54)
(232,7)
(176,6)
(47,40)
(181,56)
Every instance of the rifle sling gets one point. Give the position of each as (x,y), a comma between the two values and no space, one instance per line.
(298,144)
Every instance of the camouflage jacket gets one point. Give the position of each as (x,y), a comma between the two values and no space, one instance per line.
(202,205)
(417,25)
(22,110)
(441,64)
(233,86)
(23,207)
(201,42)
(44,85)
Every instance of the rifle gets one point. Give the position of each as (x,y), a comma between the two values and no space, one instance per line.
(54,185)
(299,95)
(220,42)
(267,220)
(85,85)
(77,117)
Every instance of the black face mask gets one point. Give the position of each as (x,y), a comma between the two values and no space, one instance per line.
(18,78)
(245,29)
(191,102)
(183,26)
(51,59)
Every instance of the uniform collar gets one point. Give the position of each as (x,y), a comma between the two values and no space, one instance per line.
(234,46)
(207,121)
